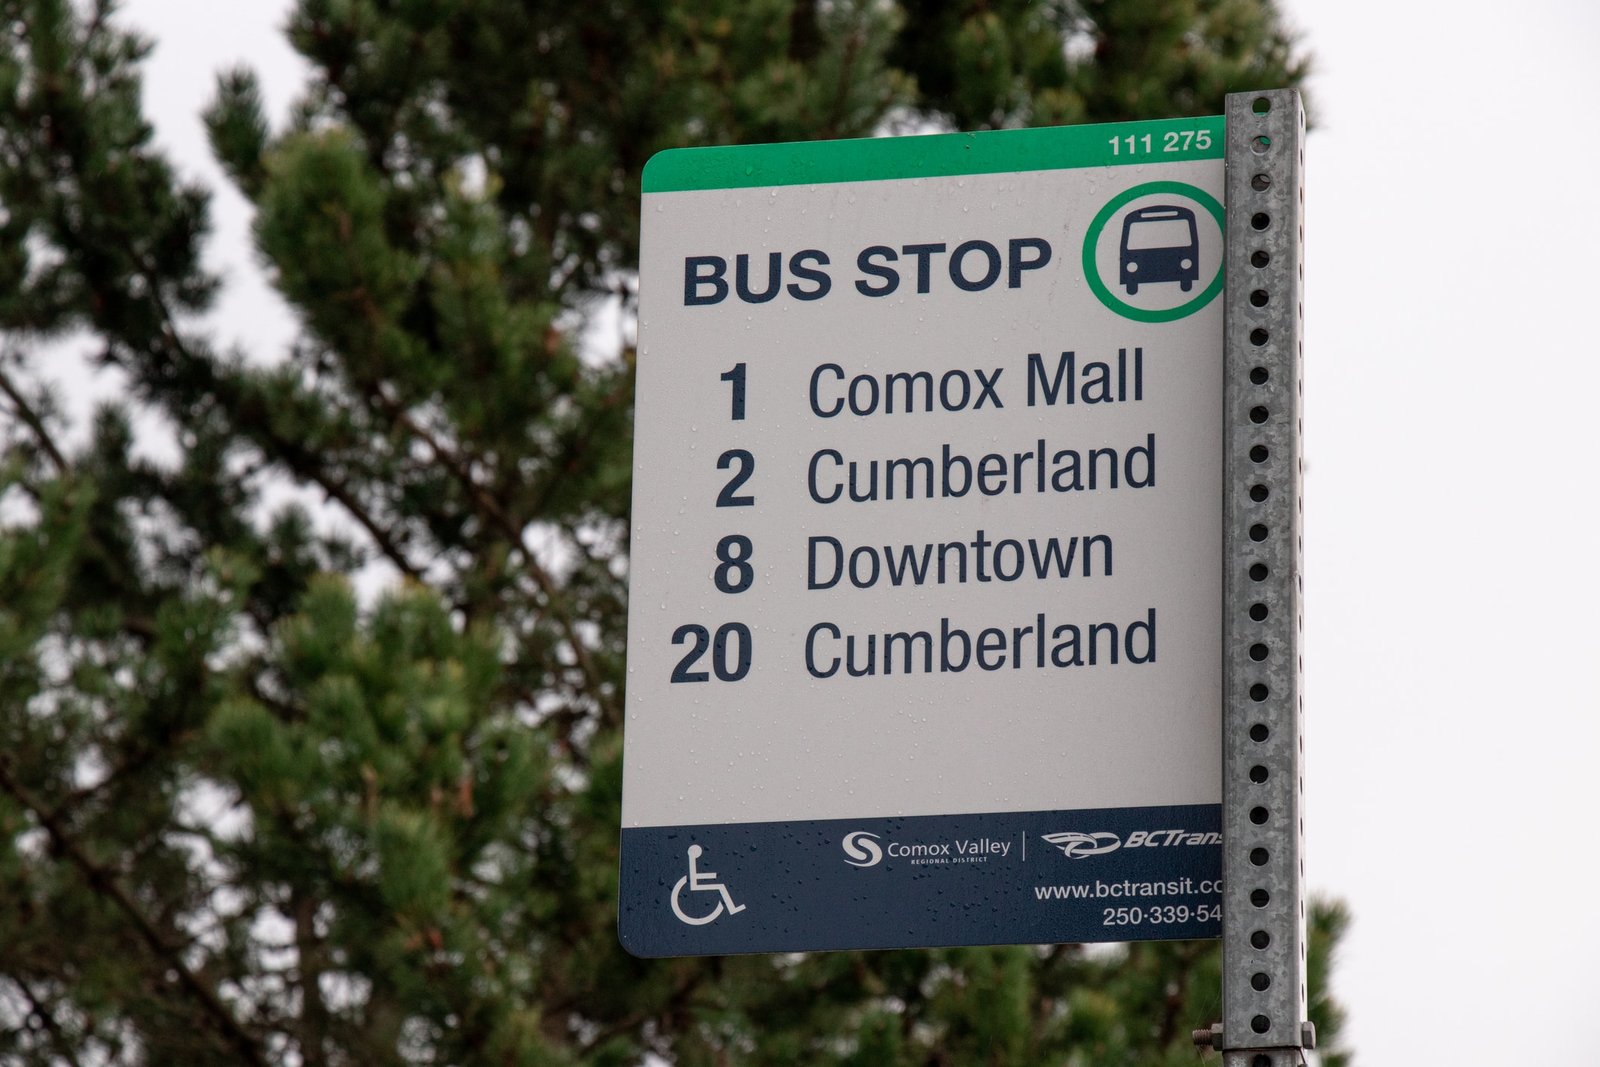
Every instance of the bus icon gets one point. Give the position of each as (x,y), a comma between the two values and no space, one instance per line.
(1159,244)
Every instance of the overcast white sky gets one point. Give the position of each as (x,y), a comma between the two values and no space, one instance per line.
(1453,269)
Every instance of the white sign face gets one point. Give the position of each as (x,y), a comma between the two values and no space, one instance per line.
(926,553)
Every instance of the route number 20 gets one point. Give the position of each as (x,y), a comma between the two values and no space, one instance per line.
(730,652)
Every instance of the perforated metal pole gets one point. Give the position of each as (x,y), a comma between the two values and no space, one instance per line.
(1264,918)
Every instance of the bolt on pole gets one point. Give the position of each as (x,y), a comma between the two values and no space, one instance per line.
(1264,913)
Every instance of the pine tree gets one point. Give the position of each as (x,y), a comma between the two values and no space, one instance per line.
(251,815)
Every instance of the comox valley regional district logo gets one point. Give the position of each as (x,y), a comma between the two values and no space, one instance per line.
(861,849)
(1078,845)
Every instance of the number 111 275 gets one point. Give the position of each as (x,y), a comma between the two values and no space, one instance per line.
(1152,144)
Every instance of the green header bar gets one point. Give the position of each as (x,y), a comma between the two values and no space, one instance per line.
(940,155)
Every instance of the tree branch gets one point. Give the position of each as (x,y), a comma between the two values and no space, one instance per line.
(489,508)
(675,1002)
(105,883)
(34,422)
(313,1028)
(296,457)
(64,1046)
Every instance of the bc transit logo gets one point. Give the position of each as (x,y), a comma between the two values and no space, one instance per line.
(861,849)
(1078,845)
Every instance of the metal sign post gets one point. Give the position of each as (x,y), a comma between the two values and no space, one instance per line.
(1264,918)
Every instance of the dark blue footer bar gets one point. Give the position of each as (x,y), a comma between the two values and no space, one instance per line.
(1038,877)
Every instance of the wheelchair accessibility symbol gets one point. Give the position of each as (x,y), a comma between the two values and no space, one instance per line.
(699,881)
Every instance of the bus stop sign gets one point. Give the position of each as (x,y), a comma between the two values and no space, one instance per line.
(924,641)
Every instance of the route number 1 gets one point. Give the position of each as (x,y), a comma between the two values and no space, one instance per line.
(735,378)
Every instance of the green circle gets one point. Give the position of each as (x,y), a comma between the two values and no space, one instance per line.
(1091,268)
